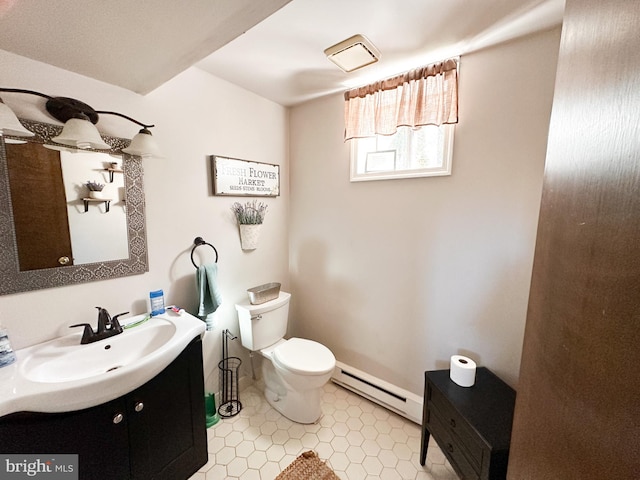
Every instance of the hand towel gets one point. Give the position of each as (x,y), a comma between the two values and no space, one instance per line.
(209,297)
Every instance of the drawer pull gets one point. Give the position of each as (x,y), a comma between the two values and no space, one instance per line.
(139,407)
(452,422)
(117,418)
(450,447)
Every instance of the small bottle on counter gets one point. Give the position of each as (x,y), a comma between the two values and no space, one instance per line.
(157,302)
(7,355)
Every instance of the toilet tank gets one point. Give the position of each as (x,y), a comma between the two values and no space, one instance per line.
(265,324)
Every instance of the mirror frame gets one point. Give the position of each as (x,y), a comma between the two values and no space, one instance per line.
(13,280)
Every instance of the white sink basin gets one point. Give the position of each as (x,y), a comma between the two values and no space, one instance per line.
(62,375)
(58,361)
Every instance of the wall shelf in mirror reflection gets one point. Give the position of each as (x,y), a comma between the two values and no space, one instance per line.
(93,246)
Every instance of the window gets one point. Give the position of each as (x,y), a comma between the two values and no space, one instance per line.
(402,127)
(421,152)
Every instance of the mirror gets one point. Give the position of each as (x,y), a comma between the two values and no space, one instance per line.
(53,230)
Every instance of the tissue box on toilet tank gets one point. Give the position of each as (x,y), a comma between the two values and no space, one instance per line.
(263,293)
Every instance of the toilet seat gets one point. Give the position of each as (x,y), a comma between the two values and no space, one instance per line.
(304,357)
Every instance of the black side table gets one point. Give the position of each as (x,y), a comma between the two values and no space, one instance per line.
(472,425)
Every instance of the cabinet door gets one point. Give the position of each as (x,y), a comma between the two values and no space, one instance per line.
(167,420)
(102,445)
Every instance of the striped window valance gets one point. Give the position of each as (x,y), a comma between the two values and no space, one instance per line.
(424,96)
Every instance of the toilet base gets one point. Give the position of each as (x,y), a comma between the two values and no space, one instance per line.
(298,407)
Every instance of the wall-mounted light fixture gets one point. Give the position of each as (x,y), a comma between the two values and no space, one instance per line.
(79,129)
(353,53)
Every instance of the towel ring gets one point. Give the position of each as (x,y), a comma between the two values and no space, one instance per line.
(198,242)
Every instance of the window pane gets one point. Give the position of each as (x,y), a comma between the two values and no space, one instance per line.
(424,151)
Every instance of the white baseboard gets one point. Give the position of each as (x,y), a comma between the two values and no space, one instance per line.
(390,396)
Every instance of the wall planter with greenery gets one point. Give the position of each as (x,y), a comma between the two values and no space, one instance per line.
(250,216)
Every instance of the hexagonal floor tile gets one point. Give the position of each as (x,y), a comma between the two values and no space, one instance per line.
(359,439)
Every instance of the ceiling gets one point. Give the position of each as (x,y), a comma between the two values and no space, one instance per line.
(273,48)
(135,44)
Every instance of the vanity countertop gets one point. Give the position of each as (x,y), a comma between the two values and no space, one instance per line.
(62,375)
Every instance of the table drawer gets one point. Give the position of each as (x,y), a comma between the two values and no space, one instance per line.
(458,426)
(451,447)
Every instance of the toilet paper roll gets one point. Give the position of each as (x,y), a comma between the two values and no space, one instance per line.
(463,371)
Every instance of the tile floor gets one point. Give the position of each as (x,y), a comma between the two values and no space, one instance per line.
(359,440)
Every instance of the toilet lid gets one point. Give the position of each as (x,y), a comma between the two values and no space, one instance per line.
(305,357)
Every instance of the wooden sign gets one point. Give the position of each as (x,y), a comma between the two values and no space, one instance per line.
(232,176)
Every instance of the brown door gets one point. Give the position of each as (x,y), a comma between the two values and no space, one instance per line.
(39,206)
(577,411)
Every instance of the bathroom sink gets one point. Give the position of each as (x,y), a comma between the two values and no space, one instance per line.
(62,375)
(62,361)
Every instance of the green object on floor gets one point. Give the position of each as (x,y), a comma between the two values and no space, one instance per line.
(212,416)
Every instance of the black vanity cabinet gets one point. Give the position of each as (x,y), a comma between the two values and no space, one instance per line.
(155,432)
(101,445)
(168,435)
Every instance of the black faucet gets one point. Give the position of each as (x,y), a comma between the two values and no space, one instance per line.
(107,327)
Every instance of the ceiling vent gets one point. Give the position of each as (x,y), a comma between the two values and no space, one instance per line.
(353,53)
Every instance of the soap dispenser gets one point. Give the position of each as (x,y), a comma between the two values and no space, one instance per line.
(7,355)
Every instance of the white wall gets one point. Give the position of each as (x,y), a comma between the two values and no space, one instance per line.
(196,115)
(396,276)
(96,235)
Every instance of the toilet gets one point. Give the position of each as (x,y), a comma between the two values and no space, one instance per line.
(294,370)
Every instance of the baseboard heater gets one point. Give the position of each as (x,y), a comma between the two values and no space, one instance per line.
(394,398)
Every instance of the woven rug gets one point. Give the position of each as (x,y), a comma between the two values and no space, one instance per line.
(307,466)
